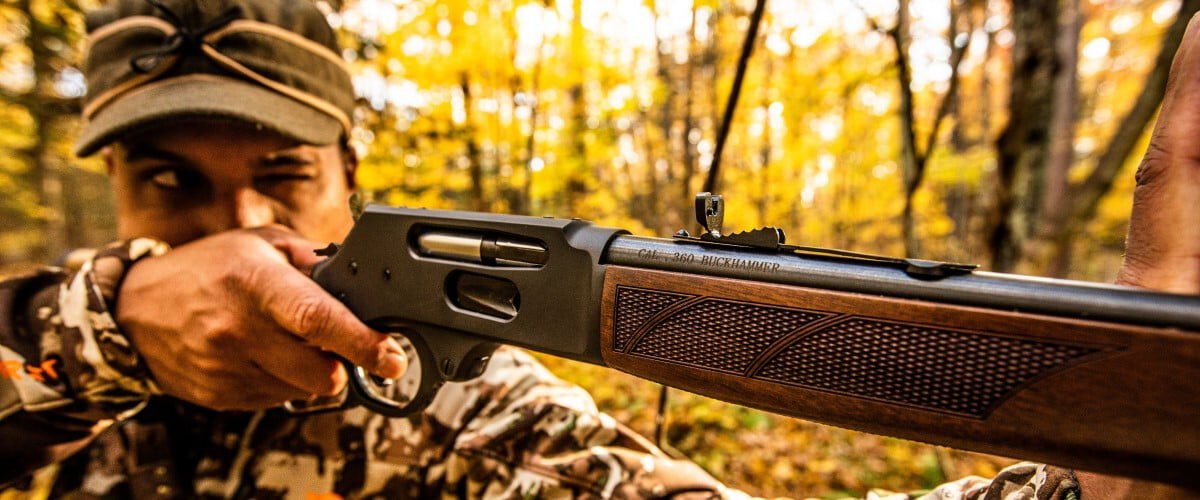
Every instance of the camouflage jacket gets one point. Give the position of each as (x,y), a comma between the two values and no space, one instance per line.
(75,393)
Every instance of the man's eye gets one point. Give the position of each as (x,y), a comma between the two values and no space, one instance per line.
(281,178)
(166,179)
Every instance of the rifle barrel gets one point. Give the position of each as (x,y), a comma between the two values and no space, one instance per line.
(1010,292)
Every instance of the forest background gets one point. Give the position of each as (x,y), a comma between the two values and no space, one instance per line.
(1002,132)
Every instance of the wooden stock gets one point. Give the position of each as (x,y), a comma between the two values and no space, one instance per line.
(1091,395)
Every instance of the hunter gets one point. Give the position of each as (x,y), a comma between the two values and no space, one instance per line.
(156,366)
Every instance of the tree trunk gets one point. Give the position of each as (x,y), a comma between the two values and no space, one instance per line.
(534,103)
(914,158)
(1023,145)
(687,148)
(474,157)
(910,166)
(49,181)
(765,148)
(45,166)
(666,122)
(646,201)
(1062,132)
(984,115)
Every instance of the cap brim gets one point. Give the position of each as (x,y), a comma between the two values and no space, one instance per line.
(216,98)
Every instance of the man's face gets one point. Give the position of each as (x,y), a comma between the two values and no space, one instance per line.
(189,180)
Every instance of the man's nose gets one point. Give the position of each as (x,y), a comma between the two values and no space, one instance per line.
(252,209)
(241,208)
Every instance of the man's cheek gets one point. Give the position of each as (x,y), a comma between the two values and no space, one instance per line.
(320,219)
(174,228)
(335,213)
(141,214)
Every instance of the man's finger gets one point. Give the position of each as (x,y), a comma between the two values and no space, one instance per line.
(241,386)
(302,308)
(300,251)
(300,364)
(256,393)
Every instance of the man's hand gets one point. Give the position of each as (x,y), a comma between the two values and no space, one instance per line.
(231,322)
(1162,250)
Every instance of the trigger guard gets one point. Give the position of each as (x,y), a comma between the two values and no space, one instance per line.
(358,380)
(442,355)
(431,381)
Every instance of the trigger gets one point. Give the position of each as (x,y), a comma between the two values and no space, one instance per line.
(328,251)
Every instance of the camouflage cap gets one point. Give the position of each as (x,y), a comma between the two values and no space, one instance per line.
(272,63)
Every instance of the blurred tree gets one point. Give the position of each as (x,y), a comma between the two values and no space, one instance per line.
(1033,192)
(915,153)
(45,100)
(1085,195)
(1023,144)
(1061,154)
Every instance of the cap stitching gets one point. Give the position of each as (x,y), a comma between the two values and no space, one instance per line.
(299,95)
(245,25)
(107,96)
(129,23)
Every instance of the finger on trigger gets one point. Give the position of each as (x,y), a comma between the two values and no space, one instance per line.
(302,308)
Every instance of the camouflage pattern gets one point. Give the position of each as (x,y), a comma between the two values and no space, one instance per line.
(74,359)
(1021,481)
(75,392)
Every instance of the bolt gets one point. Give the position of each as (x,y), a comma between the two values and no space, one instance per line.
(353,267)
(387,274)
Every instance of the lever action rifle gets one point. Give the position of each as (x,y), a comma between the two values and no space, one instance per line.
(1092,376)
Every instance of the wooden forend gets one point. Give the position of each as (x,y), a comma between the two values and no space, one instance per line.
(1093,395)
